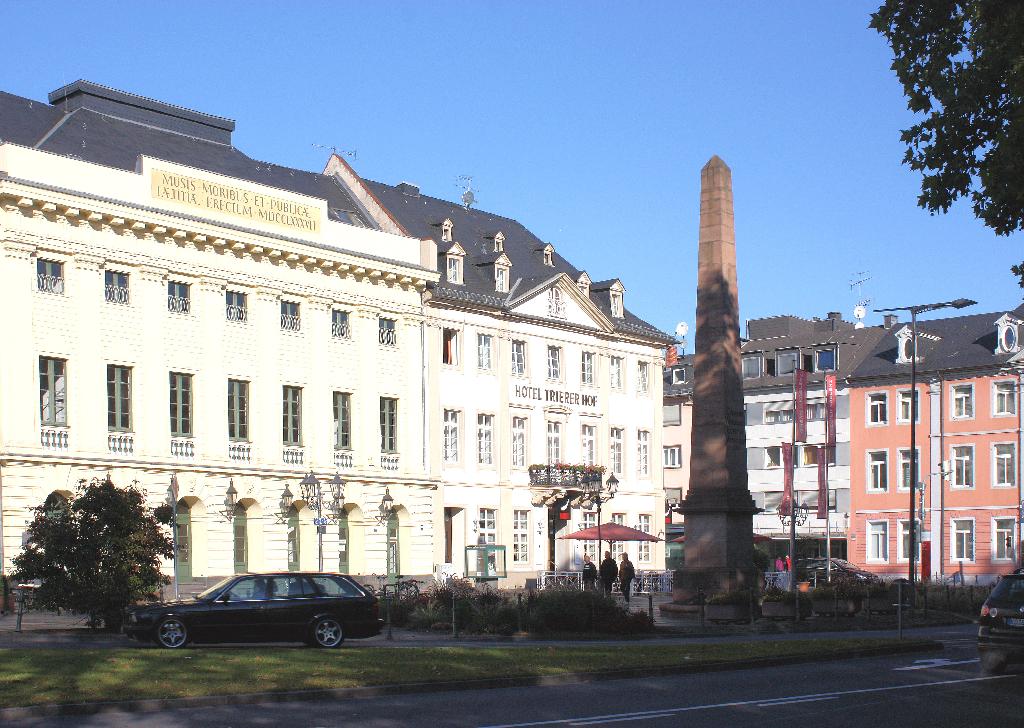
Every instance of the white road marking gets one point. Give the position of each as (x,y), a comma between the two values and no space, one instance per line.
(936,662)
(669,712)
(773,703)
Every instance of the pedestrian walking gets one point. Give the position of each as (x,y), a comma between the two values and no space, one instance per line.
(626,575)
(608,572)
(589,573)
(780,565)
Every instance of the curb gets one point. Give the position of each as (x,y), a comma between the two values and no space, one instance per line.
(161,704)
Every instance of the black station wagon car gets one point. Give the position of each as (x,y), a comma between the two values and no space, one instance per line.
(319,609)
(1001,625)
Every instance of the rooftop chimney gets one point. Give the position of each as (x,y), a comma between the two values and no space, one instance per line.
(890,320)
(408,189)
(834,316)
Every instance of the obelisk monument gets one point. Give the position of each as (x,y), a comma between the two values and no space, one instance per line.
(718,509)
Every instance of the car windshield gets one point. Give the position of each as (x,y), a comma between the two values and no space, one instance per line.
(1010,590)
(214,589)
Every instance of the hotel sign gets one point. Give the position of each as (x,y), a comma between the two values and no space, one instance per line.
(239,202)
(553,396)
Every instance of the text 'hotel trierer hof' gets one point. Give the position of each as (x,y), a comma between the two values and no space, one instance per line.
(237,201)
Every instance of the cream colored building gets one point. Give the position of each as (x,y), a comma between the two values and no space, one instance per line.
(178,308)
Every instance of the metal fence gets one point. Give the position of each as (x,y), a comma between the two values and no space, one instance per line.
(646,582)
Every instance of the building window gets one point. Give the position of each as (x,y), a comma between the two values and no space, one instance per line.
(240,532)
(963,539)
(501,279)
(906,479)
(556,306)
(388,425)
(618,547)
(554,363)
(642,377)
(905,403)
(878,470)
(454,269)
(588,436)
(878,408)
(963,466)
(290,317)
(238,410)
(785,363)
(549,258)
(963,401)
(520,537)
(339,324)
(1004,398)
(775,414)
(554,442)
(588,519)
(499,243)
(773,457)
(115,288)
(616,448)
(387,334)
(178,299)
(615,372)
(825,360)
(904,542)
(751,367)
(53,395)
(644,548)
(181,404)
(484,346)
(671,414)
(342,421)
(616,301)
(878,541)
(673,456)
(905,348)
(487,525)
(49,276)
(1004,466)
(451,436)
(235,306)
(446,231)
(119,398)
(679,375)
(291,416)
(1002,536)
(518,442)
(450,347)
(587,369)
(643,465)
(293,541)
(519,358)
(485,439)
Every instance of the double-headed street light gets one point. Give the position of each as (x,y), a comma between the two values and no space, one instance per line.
(312,493)
(914,310)
(597,492)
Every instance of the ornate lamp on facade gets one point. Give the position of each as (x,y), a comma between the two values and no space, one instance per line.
(386,508)
(285,505)
(230,500)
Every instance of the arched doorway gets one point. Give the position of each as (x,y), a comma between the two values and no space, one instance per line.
(294,540)
(183,540)
(393,546)
(344,543)
(240,526)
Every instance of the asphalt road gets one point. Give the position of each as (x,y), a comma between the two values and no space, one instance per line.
(931,689)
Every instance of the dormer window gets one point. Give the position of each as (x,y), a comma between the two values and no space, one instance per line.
(616,304)
(499,243)
(446,231)
(454,269)
(1007,335)
(905,348)
(549,255)
(501,279)
(583,283)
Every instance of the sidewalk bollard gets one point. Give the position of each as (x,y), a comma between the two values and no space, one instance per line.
(700,601)
(899,609)
(387,615)
(19,605)
(455,627)
(650,607)
(519,612)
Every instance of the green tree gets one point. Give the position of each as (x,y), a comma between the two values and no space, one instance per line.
(961,63)
(95,553)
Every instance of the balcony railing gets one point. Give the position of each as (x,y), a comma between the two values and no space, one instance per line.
(388,337)
(293,455)
(116,294)
(237,313)
(388,462)
(339,330)
(183,447)
(291,322)
(179,304)
(50,284)
(343,459)
(121,443)
(53,438)
(240,452)
(565,475)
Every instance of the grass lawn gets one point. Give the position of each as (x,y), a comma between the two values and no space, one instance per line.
(31,677)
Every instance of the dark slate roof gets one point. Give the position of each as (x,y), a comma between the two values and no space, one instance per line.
(958,342)
(109,127)
(683,388)
(772,327)
(421,216)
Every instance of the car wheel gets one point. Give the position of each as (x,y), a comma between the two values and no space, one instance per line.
(327,632)
(992,663)
(171,633)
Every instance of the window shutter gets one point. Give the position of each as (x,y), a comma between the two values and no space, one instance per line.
(755,413)
(842,407)
(755,458)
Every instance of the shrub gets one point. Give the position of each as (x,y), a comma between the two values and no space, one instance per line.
(737,597)
(825,591)
(879,589)
(779,595)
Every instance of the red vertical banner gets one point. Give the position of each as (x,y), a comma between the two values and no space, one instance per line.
(830,408)
(823,482)
(800,404)
(786,507)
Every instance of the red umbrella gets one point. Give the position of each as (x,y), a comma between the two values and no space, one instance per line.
(611,532)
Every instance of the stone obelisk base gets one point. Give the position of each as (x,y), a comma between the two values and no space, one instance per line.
(719,548)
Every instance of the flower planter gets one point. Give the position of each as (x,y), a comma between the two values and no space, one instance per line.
(782,610)
(843,607)
(727,612)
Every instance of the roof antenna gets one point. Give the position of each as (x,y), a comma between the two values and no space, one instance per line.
(861,309)
(351,153)
(466,183)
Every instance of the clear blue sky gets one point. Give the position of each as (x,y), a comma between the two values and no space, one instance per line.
(587,121)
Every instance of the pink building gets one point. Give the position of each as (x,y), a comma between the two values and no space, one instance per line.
(675,439)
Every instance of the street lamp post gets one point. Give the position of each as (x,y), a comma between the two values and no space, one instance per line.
(914,310)
(312,493)
(598,492)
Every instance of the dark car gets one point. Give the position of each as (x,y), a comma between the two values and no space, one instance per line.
(319,609)
(1001,625)
(816,569)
